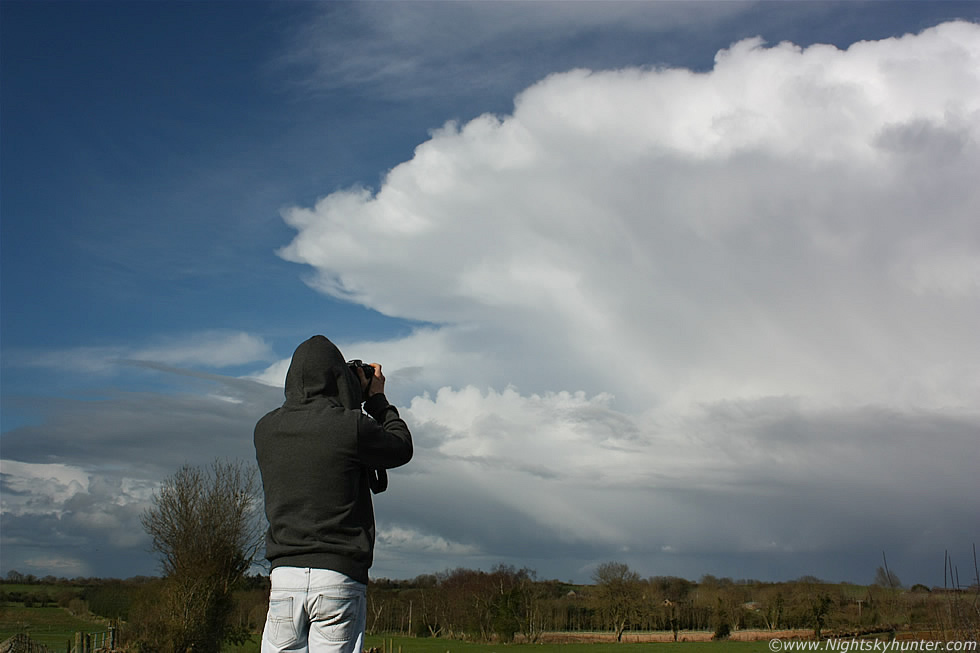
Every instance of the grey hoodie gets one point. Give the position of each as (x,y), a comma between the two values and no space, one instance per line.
(319,456)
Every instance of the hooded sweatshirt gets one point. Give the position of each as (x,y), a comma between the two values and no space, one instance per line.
(319,456)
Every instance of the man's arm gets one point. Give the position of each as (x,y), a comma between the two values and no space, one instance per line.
(384,441)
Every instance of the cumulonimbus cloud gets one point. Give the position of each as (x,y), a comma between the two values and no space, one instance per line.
(752,280)
(795,221)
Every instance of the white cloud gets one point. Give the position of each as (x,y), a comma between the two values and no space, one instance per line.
(210,348)
(748,295)
(61,490)
(401,540)
(708,235)
(410,50)
(274,375)
(53,484)
(61,508)
(948,273)
(84,360)
(214,348)
(62,566)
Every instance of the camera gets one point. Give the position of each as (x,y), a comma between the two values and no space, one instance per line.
(358,363)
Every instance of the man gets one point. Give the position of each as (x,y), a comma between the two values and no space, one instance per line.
(320,457)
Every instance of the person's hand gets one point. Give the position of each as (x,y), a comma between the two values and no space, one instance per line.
(374,385)
(377,382)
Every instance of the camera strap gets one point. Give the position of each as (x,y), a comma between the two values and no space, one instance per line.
(378,480)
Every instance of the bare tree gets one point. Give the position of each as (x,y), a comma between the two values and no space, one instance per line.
(886,578)
(206,524)
(620,595)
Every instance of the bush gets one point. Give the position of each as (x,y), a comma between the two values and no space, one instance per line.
(207,528)
(723,631)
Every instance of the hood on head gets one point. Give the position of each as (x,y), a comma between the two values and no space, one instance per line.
(318,370)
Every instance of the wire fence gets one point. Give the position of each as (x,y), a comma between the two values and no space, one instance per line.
(92,642)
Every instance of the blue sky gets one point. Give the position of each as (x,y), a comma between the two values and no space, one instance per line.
(691,286)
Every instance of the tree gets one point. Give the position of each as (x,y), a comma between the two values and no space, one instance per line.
(819,609)
(530,594)
(774,610)
(206,525)
(620,595)
(884,577)
(515,606)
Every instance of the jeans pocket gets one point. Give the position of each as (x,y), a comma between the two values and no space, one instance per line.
(337,615)
(280,629)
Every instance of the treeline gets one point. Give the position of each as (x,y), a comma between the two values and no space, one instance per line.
(107,597)
(14,577)
(507,604)
(111,598)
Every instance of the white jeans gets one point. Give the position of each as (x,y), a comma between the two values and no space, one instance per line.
(315,610)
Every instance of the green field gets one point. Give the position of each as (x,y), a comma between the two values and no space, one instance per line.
(431,645)
(435,645)
(52,627)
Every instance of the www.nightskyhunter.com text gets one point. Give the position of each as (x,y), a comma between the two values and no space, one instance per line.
(871,646)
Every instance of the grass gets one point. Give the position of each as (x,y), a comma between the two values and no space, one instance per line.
(435,645)
(52,627)
(55,627)
(252,646)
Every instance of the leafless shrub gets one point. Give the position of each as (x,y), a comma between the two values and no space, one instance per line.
(207,528)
